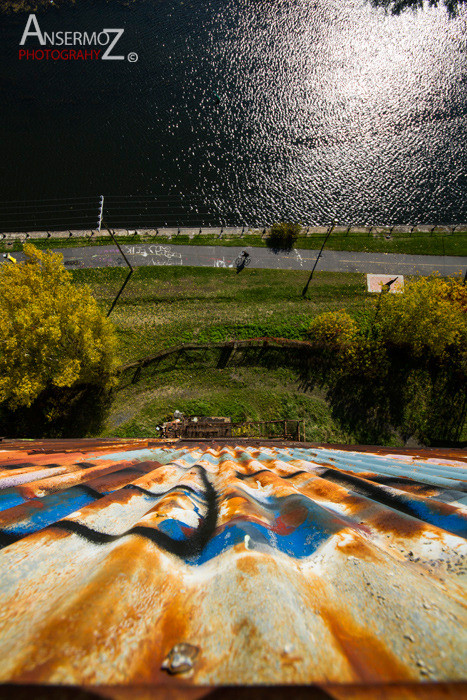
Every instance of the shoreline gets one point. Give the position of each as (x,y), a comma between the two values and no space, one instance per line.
(427,240)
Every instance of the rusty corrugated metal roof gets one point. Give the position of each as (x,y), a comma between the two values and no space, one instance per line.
(136,563)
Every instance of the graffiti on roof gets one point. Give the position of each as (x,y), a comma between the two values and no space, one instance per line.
(139,563)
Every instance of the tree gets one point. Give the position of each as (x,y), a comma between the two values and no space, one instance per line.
(282,236)
(409,373)
(428,320)
(53,336)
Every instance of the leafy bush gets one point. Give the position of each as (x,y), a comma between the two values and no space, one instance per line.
(409,373)
(334,328)
(428,319)
(282,236)
(53,336)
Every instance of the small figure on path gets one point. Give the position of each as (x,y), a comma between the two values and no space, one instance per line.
(242,261)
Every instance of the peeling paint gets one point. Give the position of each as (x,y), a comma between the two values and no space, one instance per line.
(125,563)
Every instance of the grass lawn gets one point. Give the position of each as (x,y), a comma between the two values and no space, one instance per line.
(241,392)
(415,244)
(165,306)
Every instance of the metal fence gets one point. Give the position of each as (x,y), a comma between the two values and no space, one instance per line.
(87,213)
(149,213)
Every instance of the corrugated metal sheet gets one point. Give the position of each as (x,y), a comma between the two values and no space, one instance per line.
(137,563)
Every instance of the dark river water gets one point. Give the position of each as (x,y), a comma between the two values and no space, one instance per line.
(238,111)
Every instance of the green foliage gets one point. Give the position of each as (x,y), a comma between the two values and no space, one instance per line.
(245,393)
(282,236)
(408,372)
(165,306)
(53,334)
(428,320)
(381,386)
(333,328)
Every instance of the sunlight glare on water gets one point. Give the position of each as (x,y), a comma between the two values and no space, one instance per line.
(327,108)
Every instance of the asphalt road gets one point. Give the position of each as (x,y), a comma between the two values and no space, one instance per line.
(221,256)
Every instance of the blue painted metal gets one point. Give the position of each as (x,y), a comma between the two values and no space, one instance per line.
(277,564)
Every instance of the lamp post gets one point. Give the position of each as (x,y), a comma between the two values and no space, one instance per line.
(330,230)
(111,234)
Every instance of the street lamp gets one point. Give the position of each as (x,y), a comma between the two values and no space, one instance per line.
(330,230)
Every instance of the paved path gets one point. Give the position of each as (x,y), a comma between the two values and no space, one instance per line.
(222,256)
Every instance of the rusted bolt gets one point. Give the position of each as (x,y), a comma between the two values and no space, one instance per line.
(180,659)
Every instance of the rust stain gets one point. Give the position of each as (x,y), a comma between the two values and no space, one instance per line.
(397,525)
(370,658)
(357,547)
(247,565)
(115,552)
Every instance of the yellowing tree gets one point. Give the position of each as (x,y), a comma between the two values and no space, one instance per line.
(429,318)
(407,371)
(52,332)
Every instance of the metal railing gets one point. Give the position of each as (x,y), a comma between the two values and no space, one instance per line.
(125,214)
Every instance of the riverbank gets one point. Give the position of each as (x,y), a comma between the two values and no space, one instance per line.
(409,240)
(167,306)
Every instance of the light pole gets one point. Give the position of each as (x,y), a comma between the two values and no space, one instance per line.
(111,234)
(330,230)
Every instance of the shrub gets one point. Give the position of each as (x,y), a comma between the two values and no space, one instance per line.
(53,335)
(428,320)
(409,373)
(334,328)
(282,236)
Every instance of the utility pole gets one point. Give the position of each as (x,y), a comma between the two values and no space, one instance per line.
(330,230)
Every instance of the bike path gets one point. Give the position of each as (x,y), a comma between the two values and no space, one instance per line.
(224,257)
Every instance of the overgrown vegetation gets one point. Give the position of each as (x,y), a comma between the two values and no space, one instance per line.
(406,367)
(283,236)
(378,368)
(166,306)
(55,343)
(243,391)
(370,385)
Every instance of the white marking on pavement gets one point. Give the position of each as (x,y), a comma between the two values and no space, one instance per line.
(396,262)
